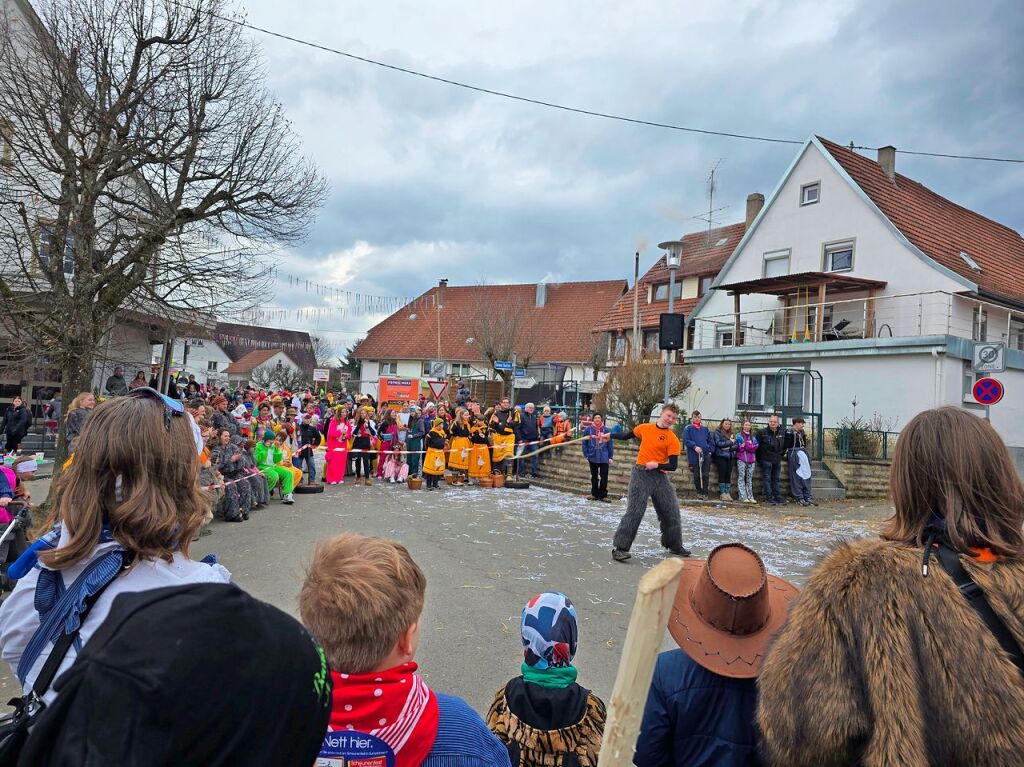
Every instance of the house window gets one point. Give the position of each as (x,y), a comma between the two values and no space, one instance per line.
(980,324)
(690,334)
(211,366)
(388,369)
(616,346)
(776,264)
(195,342)
(45,235)
(1016,339)
(705,284)
(661,291)
(839,257)
(723,337)
(461,369)
(425,370)
(760,391)
(810,193)
(651,341)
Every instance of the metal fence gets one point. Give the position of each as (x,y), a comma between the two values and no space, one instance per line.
(860,444)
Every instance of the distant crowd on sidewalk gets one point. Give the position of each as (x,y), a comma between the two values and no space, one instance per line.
(111,624)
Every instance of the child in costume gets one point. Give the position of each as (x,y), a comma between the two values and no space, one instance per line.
(461,446)
(268,455)
(480,455)
(433,464)
(395,469)
(543,717)
(286,457)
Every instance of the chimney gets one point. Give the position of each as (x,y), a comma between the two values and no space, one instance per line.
(542,294)
(755,202)
(441,285)
(887,159)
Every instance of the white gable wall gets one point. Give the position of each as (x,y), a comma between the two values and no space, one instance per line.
(842,213)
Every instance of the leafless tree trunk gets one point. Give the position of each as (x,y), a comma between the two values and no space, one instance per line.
(323,351)
(272,377)
(506,327)
(145,169)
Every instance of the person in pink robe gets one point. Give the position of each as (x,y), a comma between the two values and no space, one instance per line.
(337,447)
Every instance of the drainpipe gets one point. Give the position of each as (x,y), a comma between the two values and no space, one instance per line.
(938,377)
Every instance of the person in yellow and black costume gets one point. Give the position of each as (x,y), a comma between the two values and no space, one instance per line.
(433,464)
(480,456)
(503,425)
(461,447)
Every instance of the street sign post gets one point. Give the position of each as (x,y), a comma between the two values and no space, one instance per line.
(526,382)
(989,357)
(437,388)
(504,365)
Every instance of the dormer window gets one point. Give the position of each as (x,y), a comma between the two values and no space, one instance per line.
(970,261)
(810,193)
(661,291)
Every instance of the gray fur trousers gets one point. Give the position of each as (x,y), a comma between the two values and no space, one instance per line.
(644,484)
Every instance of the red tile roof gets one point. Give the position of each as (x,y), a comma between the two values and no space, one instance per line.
(238,340)
(250,361)
(562,327)
(940,228)
(702,255)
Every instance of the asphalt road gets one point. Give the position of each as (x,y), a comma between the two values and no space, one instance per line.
(486,552)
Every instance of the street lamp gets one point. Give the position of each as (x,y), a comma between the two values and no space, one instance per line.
(673,256)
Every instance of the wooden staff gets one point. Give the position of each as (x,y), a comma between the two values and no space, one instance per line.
(654,598)
(554,445)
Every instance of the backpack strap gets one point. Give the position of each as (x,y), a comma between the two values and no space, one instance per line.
(971,591)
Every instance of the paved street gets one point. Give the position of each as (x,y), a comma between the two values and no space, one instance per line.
(485,552)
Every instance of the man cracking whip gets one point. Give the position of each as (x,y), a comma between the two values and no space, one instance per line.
(658,454)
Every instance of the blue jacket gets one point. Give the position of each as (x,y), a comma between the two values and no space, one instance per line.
(696,718)
(724,446)
(594,451)
(694,437)
(463,739)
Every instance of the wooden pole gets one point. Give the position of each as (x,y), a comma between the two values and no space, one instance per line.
(654,598)
(819,316)
(736,326)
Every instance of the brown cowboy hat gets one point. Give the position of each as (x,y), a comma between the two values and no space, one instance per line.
(727,608)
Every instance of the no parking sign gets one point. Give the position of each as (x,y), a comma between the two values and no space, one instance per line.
(987,391)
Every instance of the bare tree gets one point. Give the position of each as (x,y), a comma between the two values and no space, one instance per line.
(506,327)
(635,388)
(597,359)
(323,351)
(278,377)
(147,169)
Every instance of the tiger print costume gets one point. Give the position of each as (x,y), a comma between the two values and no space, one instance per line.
(577,745)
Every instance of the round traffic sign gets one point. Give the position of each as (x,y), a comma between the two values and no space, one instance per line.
(987,391)
(989,354)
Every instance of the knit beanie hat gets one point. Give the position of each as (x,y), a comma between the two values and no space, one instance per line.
(268,434)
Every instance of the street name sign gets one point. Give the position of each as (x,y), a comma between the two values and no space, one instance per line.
(504,365)
(989,357)
(520,372)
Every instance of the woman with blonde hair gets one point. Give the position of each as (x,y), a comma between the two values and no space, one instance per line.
(461,446)
(124,514)
(79,409)
(906,649)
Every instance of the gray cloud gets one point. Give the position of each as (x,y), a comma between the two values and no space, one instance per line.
(441,182)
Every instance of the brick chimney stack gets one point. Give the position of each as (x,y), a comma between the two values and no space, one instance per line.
(755,202)
(441,285)
(887,159)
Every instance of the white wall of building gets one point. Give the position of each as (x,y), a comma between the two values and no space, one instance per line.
(126,346)
(840,214)
(202,353)
(243,379)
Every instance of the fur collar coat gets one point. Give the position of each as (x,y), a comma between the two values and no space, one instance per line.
(879,665)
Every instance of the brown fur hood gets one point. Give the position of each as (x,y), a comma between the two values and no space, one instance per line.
(878,665)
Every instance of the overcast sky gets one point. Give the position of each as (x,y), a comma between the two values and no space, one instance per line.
(431,181)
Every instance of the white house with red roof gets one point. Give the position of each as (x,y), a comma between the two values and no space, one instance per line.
(857,284)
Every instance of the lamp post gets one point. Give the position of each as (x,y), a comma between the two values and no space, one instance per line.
(673,255)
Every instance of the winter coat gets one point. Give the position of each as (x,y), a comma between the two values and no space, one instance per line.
(723,444)
(879,665)
(116,386)
(795,440)
(17,421)
(596,451)
(696,717)
(694,438)
(76,420)
(771,445)
(529,427)
(746,448)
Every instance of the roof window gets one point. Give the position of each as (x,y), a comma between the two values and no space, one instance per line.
(969,261)
(721,242)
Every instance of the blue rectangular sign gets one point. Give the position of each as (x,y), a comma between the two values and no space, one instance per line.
(520,372)
(502,365)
